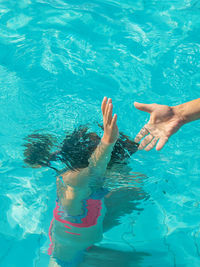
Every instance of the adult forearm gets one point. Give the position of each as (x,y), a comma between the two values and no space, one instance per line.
(188,111)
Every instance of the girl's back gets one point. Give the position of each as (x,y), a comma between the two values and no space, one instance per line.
(77,222)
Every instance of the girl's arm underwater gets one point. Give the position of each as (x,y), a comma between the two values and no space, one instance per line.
(101,156)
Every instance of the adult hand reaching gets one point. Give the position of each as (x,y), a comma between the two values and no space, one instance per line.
(165,121)
(162,124)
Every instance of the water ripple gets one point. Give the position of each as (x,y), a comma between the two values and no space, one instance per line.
(57,60)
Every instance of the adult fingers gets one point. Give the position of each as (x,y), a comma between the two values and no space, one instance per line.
(142,133)
(103,105)
(151,145)
(146,141)
(161,143)
(144,107)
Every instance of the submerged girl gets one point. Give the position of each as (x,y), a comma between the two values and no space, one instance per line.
(80,207)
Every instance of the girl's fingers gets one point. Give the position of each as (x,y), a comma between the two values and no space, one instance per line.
(109,114)
(103,105)
(107,106)
(114,121)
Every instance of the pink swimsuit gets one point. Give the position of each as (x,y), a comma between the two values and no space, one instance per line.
(92,211)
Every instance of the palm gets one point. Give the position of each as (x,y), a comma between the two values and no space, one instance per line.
(162,121)
(109,122)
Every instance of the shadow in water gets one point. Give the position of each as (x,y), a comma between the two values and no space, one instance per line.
(120,202)
(107,257)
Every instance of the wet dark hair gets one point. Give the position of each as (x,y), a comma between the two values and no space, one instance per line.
(38,149)
(78,147)
(75,150)
(122,150)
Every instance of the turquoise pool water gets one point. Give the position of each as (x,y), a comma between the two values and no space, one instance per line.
(57,60)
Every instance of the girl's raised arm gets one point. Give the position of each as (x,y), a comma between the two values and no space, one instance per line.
(101,156)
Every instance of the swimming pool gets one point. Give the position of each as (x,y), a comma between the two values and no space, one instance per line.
(57,60)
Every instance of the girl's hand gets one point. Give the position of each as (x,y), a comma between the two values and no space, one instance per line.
(111,131)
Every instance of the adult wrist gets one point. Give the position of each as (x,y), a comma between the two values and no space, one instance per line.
(179,112)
